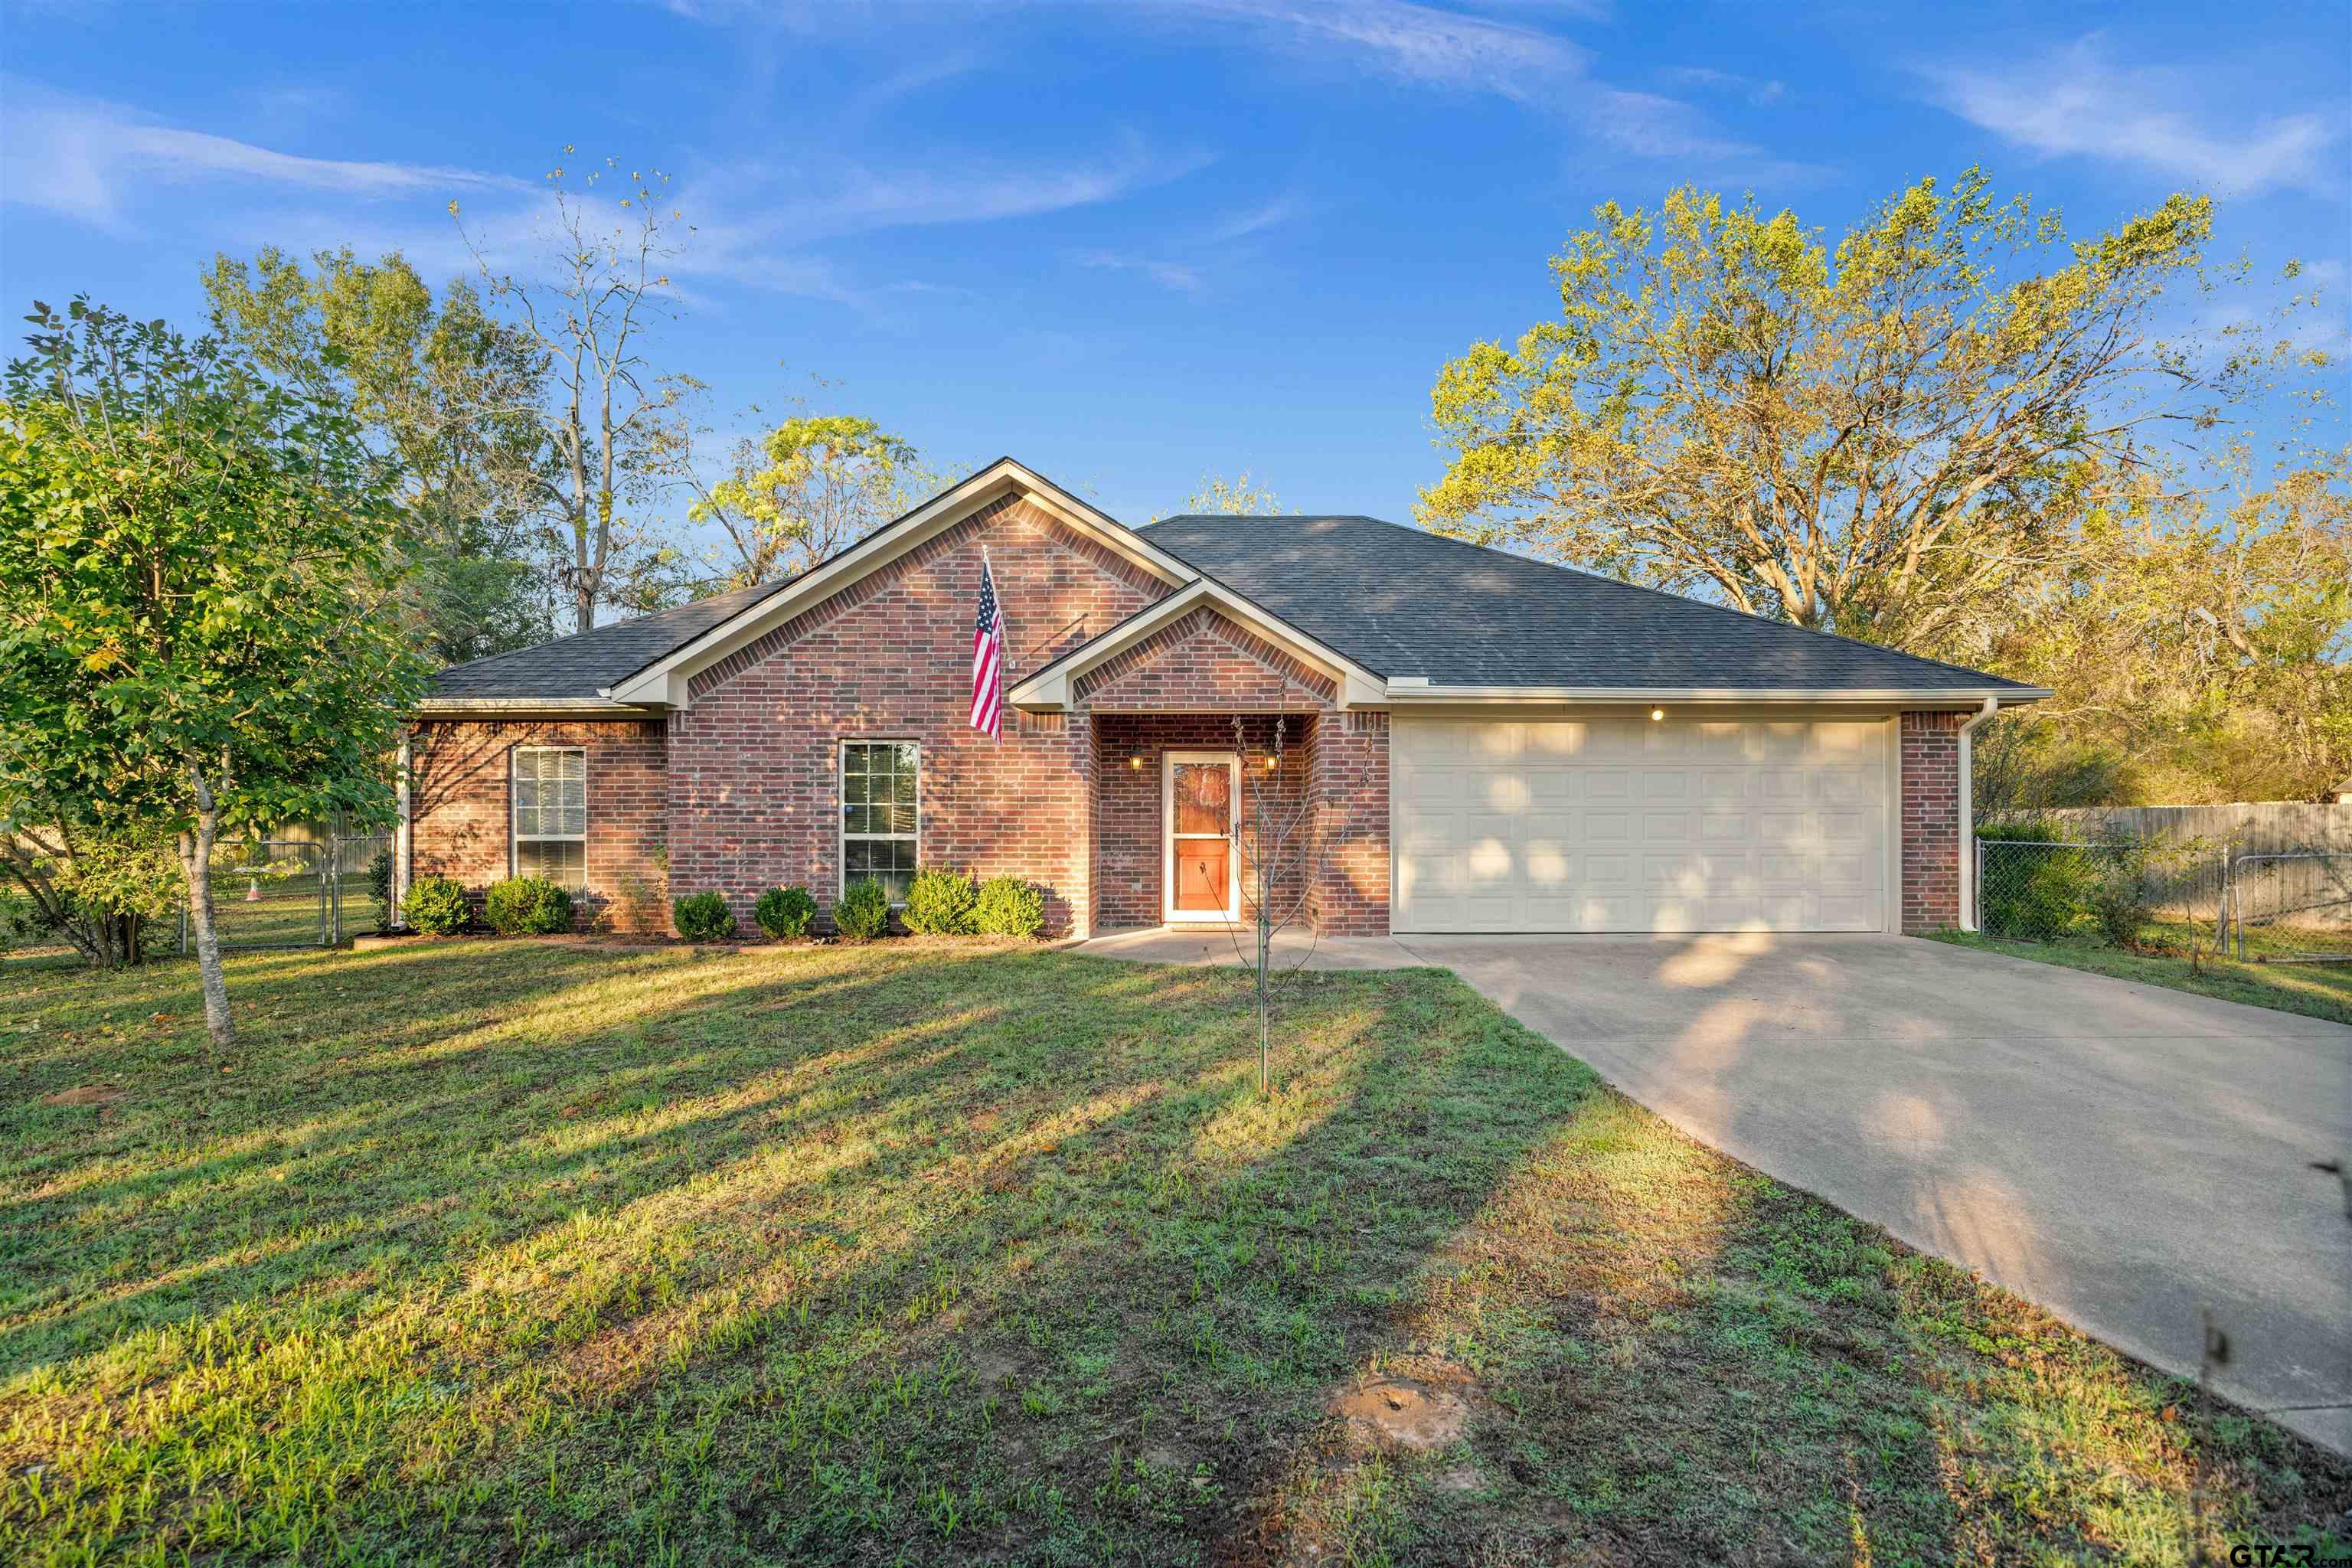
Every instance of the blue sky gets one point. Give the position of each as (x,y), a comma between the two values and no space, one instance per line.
(1128,244)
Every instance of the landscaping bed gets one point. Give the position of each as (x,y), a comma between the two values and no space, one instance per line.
(523,1251)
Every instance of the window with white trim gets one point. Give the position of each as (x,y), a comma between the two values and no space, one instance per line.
(551,814)
(879,829)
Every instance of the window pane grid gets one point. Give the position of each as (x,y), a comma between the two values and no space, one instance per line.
(879,814)
(551,814)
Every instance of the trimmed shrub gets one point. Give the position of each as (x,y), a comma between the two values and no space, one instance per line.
(785,912)
(1009,907)
(379,875)
(939,903)
(863,911)
(436,906)
(527,906)
(703,917)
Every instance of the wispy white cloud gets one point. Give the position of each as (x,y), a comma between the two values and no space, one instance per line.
(83,158)
(832,204)
(1761,92)
(2079,101)
(1413,43)
(1426,47)
(1174,275)
(1256,219)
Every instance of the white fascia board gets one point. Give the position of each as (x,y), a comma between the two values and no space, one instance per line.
(667,680)
(1049,688)
(508,707)
(1407,691)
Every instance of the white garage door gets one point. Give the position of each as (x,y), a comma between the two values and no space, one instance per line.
(1638,826)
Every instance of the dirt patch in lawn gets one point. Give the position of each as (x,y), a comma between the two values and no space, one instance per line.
(87,1094)
(1403,1412)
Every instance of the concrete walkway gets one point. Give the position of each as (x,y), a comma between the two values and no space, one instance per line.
(2125,1155)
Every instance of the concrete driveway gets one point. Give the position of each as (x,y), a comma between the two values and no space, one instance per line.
(2125,1155)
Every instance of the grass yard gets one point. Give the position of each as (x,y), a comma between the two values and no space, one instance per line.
(504,1253)
(2317,990)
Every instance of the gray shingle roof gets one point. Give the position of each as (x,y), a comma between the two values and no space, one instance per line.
(583,663)
(1397,600)
(1402,601)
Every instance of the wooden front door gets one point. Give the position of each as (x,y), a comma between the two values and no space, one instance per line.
(1202,791)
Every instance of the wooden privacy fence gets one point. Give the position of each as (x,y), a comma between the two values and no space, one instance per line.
(2253,827)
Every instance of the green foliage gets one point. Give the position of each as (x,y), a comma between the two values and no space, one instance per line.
(379,876)
(703,917)
(191,572)
(196,572)
(21,921)
(2119,899)
(940,904)
(527,906)
(863,913)
(440,387)
(1008,906)
(436,906)
(785,912)
(808,488)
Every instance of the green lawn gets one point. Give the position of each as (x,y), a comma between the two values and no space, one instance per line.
(2317,990)
(504,1253)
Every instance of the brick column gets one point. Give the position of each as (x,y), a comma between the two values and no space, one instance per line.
(1349,777)
(1086,854)
(1931,820)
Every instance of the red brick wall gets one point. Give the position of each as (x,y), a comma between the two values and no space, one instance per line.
(1130,860)
(1202,661)
(1931,820)
(1350,764)
(755,784)
(462,803)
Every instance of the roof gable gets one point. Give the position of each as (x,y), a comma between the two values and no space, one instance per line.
(1057,684)
(650,662)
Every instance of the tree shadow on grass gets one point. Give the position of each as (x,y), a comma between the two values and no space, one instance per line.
(426,1155)
(992,1256)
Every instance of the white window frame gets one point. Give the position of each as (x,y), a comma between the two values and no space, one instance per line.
(515,837)
(1231,913)
(841,835)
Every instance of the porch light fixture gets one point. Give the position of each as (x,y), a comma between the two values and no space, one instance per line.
(1135,761)
(1269,764)
(1657,713)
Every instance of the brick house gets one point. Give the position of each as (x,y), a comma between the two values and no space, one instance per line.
(1481,743)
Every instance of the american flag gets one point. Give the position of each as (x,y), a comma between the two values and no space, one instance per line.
(988,658)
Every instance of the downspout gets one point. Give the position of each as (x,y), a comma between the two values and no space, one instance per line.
(404,836)
(1969,813)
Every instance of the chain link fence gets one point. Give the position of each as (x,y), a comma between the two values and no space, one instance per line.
(288,893)
(2291,909)
(2157,895)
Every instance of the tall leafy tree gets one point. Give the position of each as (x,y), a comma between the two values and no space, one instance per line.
(1870,439)
(592,306)
(2201,650)
(194,565)
(440,387)
(811,487)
